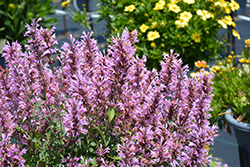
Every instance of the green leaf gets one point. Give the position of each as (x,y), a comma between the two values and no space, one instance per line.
(103,138)
(2,43)
(35,140)
(115,158)
(111,114)
(41,156)
(2,29)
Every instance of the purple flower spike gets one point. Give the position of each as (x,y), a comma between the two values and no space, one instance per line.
(100,109)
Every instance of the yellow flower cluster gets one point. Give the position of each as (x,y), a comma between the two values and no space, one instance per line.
(194,74)
(227,20)
(129,8)
(204,14)
(173,7)
(184,19)
(159,5)
(243,60)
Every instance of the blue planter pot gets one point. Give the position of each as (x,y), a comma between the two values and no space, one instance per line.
(242,134)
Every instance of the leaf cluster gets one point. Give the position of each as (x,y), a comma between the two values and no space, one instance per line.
(16,14)
(171,37)
(231,88)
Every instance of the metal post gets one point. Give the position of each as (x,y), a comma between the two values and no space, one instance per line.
(65,22)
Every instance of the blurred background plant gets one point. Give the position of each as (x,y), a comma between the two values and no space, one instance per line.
(187,26)
(16,14)
(231,86)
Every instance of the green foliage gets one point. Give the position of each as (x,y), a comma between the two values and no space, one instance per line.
(231,88)
(197,40)
(16,14)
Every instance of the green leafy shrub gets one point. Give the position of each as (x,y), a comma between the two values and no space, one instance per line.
(15,14)
(231,87)
(187,26)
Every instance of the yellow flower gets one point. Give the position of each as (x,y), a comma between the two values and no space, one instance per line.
(152,44)
(181,23)
(242,60)
(152,35)
(113,2)
(130,21)
(233,68)
(162,23)
(233,24)
(228,60)
(146,14)
(204,14)
(223,23)
(173,1)
(247,41)
(207,73)
(159,5)
(215,69)
(234,5)
(227,9)
(142,4)
(196,37)
(65,4)
(173,7)
(193,74)
(232,52)
(189,1)
(162,45)
(248,61)
(154,24)
(221,3)
(11,5)
(115,30)
(236,34)
(201,64)
(229,56)
(144,28)
(186,16)
(220,63)
(129,8)
(228,19)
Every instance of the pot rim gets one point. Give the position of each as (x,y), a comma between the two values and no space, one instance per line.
(236,124)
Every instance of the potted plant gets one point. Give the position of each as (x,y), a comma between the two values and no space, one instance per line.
(188,26)
(100,109)
(231,101)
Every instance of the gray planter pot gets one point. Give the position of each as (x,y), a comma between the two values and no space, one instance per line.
(242,134)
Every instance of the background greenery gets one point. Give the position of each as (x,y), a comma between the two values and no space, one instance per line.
(16,14)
